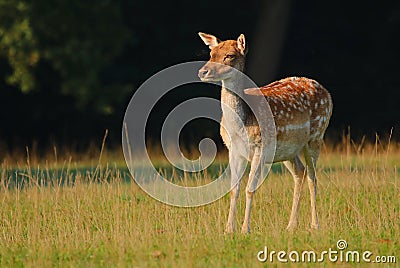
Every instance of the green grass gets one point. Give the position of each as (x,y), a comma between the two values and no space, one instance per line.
(62,214)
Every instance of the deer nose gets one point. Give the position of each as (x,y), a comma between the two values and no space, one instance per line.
(203,72)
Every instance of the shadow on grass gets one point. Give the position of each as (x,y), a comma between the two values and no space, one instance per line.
(12,177)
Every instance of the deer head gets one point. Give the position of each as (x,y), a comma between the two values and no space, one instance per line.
(224,56)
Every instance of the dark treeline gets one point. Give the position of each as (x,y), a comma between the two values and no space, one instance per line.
(68,68)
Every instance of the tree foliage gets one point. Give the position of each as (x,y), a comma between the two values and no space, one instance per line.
(78,39)
(18,43)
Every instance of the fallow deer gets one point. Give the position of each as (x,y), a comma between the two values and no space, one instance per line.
(301,108)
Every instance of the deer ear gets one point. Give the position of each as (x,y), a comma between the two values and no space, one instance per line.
(241,43)
(210,40)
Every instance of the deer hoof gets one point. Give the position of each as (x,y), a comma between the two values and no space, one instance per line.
(291,227)
(229,229)
(315,226)
(245,230)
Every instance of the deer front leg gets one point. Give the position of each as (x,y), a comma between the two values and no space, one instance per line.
(254,175)
(297,170)
(236,164)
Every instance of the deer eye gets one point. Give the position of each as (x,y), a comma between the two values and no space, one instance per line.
(229,56)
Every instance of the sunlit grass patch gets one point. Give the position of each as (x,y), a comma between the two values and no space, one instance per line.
(70,215)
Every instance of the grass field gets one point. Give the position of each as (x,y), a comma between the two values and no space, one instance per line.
(59,211)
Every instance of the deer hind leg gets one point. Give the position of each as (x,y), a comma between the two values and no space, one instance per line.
(236,164)
(296,168)
(254,175)
(311,153)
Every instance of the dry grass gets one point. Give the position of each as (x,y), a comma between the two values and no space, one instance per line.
(55,213)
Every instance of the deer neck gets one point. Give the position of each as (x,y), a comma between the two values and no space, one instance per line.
(232,100)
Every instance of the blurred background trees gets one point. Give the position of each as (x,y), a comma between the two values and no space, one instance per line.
(78,40)
(68,68)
